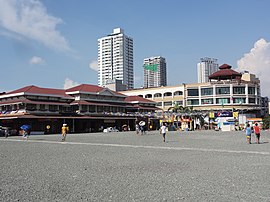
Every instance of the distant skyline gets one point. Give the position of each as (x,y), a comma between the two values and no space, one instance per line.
(54,44)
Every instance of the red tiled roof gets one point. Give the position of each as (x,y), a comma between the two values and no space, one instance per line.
(225,66)
(91,89)
(38,90)
(86,88)
(135,98)
(225,72)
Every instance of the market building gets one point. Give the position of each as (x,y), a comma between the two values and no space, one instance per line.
(85,108)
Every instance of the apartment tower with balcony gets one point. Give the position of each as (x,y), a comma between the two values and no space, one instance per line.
(155,73)
(205,68)
(115,59)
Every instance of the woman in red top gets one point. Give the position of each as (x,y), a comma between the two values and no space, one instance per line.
(257,132)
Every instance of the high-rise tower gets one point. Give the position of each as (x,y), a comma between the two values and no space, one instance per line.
(115,59)
(155,73)
(205,68)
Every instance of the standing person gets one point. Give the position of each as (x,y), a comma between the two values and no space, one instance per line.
(25,134)
(248,133)
(163,131)
(7,132)
(64,131)
(257,132)
(137,129)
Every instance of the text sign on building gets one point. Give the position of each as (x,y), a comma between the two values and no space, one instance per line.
(152,67)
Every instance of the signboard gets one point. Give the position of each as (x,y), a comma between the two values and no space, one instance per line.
(151,67)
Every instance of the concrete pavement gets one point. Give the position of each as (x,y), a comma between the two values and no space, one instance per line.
(123,166)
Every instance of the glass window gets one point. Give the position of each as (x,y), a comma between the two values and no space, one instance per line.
(207,101)
(207,91)
(168,103)
(42,107)
(193,92)
(222,90)
(176,93)
(252,100)
(251,90)
(84,108)
(53,107)
(179,102)
(239,100)
(159,104)
(223,101)
(167,94)
(239,90)
(193,102)
(158,95)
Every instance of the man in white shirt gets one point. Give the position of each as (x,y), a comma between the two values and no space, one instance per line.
(163,131)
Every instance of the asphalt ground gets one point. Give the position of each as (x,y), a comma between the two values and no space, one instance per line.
(123,166)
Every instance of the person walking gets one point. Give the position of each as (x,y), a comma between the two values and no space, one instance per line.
(163,131)
(248,133)
(7,132)
(65,130)
(257,132)
(137,129)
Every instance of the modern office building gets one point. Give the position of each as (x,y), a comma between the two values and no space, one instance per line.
(205,68)
(115,59)
(155,73)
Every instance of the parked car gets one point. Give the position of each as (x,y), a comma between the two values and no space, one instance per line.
(110,129)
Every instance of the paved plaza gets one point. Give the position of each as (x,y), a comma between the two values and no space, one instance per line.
(123,166)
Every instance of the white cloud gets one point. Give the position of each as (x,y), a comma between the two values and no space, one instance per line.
(69,83)
(35,60)
(94,65)
(257,62)
(29,18)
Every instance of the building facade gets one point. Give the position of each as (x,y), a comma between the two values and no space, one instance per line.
(115,59)
(226,90)
(155,72)
(205,68)
(85,108)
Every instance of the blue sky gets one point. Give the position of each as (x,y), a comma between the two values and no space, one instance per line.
(53,43)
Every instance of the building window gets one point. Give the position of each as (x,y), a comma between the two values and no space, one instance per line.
(223,101)
(158,95)
(84,108)
(207,101)
(53,108)
(239,100)
(222,90)
(251,90)
(31,107)
(159,104)
(207,91)
(179,102)
(167,94)
(193,102)
(148,96)
(252,100)
(42,107)
(168,103)
(177,93)
(239,90)
(193,92)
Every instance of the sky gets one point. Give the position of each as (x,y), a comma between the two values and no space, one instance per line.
(53,44)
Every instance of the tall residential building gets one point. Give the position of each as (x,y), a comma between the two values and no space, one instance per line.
(205,68)
(115,59)
(155,73)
